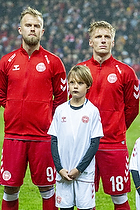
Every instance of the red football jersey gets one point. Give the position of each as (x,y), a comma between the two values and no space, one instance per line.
(27,85)
(115,91)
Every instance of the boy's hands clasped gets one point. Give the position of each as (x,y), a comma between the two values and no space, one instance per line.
(69,176)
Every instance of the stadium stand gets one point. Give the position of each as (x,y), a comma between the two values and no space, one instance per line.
(66,25)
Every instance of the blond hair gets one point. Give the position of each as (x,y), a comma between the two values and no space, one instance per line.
(32,12)
(82,72)
(101,24)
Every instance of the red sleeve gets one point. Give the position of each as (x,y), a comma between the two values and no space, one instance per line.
(3,85)
(131,97)
(59,84)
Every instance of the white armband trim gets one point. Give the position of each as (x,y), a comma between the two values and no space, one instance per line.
(10,197)
(47,194)
(119,199)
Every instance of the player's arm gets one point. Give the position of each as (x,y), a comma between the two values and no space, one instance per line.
(59,84)
(136,179)
(94,144)
(131,98)
(3,87)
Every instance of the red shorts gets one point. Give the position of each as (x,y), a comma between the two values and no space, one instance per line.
(16,156)
(113,168)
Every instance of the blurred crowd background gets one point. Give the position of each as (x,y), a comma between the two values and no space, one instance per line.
(66,26)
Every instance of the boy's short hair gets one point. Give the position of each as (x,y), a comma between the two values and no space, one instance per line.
(31,11)
(101,24)
(82,72)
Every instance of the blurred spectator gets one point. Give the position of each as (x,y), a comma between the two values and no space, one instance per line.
(66,25)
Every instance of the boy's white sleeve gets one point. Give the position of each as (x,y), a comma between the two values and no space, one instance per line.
(96,129)
(134,156)
(53,127)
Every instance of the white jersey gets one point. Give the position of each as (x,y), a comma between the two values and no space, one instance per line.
(74,130)
(135,165)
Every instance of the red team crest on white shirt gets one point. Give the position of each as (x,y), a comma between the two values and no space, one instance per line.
(63,119)
(58,198)
(85,119)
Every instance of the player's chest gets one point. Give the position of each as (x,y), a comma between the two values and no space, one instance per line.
(29,69)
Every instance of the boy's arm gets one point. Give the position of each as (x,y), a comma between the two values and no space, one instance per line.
(136,179)
(56,158)
(55,154)
(89,154)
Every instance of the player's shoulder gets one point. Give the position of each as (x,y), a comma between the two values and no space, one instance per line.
(85,63)
(121,66)
(10,56)
(53,60)
(49,54)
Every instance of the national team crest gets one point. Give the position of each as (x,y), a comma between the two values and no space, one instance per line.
(112,78)
(6,175)
(58,199)
(85,119)
(40,67)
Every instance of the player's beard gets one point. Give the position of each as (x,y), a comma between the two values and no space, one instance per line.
(31,41)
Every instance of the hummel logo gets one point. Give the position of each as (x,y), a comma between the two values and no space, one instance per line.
(125,179)
(136,95)
(63,88)
(63,119)
(63,81)
(16,67)
(136,88)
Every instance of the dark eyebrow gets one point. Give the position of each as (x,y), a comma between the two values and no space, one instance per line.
(35,25)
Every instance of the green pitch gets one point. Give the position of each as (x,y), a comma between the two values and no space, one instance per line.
(29,198)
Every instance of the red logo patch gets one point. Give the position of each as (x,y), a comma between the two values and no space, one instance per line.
(58,199)
(85,119)
(63,119)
